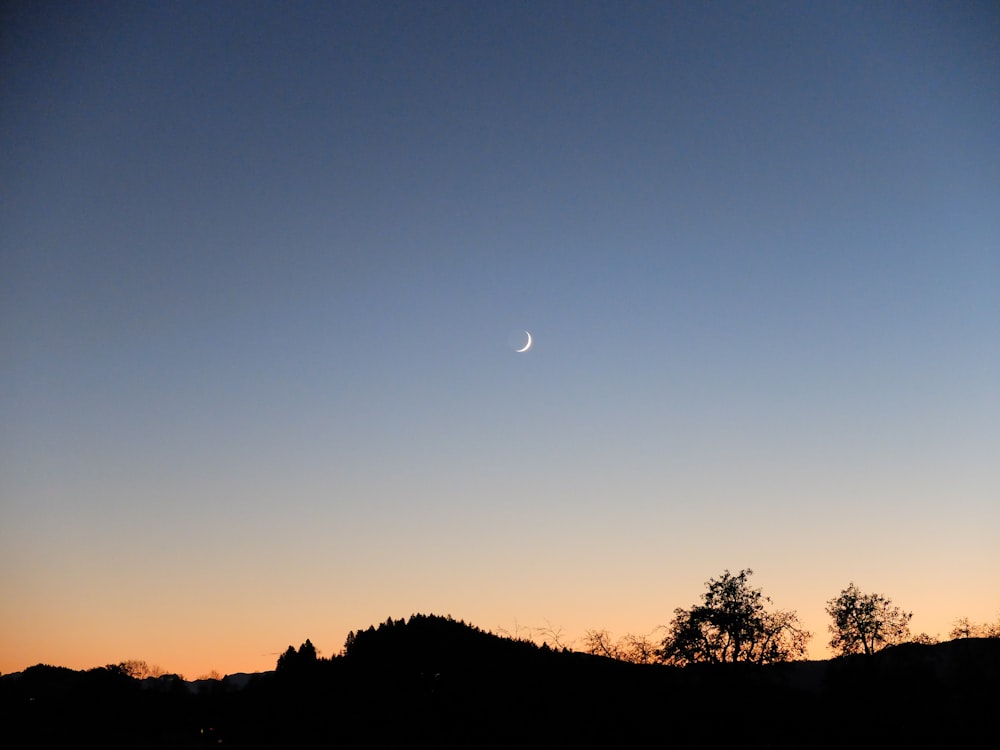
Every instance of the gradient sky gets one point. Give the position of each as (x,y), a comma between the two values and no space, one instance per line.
(263,267)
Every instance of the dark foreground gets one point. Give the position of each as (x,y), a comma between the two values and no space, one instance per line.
(434,682)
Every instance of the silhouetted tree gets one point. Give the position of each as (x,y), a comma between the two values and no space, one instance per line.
(307,652)
(600,643)
(349,643)
(287,660)
(637,649)
(137,669)
(555,635)
(292,660)
(965,628)
(732,624)
(962,628)
(865,623)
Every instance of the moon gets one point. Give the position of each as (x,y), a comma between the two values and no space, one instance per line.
(526,346)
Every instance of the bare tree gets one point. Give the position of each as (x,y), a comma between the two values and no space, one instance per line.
(865,623)
(139,669)
(639,649)
(733,624)
(600,643)
(519,633)
(554,637)
(965,628)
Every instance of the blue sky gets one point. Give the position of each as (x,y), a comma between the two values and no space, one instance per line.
(262,263)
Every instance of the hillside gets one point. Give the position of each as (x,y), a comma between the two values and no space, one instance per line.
(434,682)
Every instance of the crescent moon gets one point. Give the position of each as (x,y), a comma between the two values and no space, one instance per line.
(526,346)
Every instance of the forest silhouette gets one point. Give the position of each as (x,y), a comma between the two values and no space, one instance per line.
(727,672)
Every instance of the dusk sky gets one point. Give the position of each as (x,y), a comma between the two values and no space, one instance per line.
(264,267)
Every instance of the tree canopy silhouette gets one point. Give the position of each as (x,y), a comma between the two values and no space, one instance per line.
(733,624)
(963,627)
(865,623)
(292,660)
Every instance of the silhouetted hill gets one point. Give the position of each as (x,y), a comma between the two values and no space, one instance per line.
(434,682)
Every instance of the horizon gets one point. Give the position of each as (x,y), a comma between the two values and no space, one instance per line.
(552,635)
(540,637)
(265,270)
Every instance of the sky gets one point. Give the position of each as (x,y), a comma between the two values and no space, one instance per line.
(264,267)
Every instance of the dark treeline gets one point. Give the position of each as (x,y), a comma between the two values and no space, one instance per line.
(735,622)
(432,681)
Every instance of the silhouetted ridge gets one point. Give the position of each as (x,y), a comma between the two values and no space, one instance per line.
(432,642)
(432,681)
